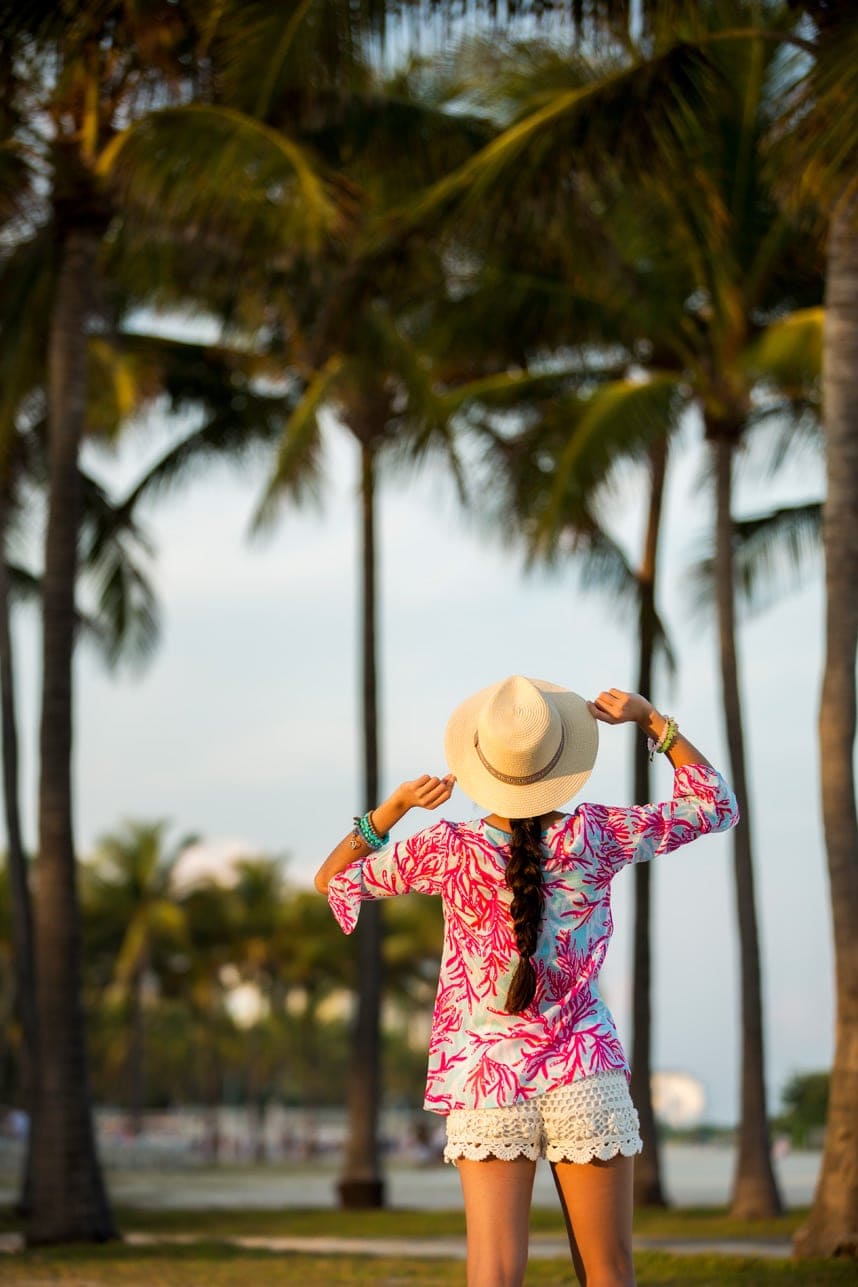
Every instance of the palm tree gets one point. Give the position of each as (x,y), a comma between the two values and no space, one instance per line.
(79,75)
(260,893)
(116,610)
(577,534)
(371,375)
(759,264)
(816,139)
(128,885)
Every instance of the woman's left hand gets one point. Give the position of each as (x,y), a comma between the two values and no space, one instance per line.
(425,792)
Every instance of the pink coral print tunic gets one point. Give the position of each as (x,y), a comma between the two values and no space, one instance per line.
(480,1056)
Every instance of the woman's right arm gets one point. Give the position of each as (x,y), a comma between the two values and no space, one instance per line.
(702,802)
(617,707)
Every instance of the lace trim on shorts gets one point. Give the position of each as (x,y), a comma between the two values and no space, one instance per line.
(593,1117)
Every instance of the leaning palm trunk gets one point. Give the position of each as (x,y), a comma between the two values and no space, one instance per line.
(649,1191)
(22,906)
(69,1198)
(832,1227)
(361,1184)
(755,1192)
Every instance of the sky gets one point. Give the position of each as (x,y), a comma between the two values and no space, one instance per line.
(244,729)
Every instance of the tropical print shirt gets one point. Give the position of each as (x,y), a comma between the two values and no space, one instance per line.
(480,1056)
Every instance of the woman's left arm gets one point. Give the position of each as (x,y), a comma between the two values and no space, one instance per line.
(425,792)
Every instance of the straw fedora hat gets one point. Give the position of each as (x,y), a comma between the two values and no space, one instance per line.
(522,747)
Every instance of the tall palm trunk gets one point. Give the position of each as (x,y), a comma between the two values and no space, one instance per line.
(69,1198)
(362,1184)
(22,906)
(649,1191)
(832,1227)
(755,1192)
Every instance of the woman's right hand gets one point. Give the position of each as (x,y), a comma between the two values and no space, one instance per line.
(618,707)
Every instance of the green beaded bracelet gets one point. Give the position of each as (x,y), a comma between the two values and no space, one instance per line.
(671,737)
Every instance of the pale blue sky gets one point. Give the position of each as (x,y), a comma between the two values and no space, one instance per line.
(245,726)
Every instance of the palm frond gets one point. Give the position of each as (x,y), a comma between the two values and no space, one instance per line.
(618,421)
(773,555)
(788,354)
(636,115)
(812,140)
(243,410)
(114,554)
(361,137)
(296,469)
(16,181)
(27,276)
(121,384)
(203,168)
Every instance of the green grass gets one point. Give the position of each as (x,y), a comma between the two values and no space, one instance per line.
(701,1222)
(214,1264)
(218,1266)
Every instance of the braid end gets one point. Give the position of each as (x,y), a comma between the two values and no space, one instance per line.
(522,990)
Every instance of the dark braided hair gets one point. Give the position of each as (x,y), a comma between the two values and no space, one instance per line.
(524,878)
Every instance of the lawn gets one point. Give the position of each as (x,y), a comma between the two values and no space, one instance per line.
(218,1266)
(706,1223)
(206,1261)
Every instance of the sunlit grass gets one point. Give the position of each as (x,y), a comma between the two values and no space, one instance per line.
(221,1266)
(705,1223)
(217,1264)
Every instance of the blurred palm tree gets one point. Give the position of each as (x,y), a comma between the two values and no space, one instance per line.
(128,888)
(116,606)
(341,332)
(70,73)
(260,893)
(210,915)
(109,67)
(736,290)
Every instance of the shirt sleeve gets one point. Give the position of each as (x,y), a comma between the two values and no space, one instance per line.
(415,865)
(702,803)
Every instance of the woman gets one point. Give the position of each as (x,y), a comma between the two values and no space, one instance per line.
(524,1057)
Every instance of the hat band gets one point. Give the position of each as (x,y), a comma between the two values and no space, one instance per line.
(508,778)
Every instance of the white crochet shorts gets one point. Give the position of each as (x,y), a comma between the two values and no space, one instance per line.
(593,1117)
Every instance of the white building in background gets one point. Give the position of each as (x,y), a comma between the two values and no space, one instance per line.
(678,1099)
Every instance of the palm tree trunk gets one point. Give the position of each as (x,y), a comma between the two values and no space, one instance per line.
(22,907)
(832,1227)
(649,1191)
(69,1198)
(755,1192)
(136,1052)
(362,1184)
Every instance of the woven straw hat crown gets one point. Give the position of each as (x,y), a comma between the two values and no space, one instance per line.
(522,747)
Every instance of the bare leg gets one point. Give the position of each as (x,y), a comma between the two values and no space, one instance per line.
(580,1273)
(597,1200)
(497,1212)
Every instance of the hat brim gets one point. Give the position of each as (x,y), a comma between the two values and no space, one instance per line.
(565,780)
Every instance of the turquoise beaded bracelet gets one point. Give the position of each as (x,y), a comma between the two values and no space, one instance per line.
(369,834)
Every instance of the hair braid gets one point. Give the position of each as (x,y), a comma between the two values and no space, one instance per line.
(524,878)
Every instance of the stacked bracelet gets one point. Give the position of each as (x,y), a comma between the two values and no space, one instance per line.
(667,739)
(367,832)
